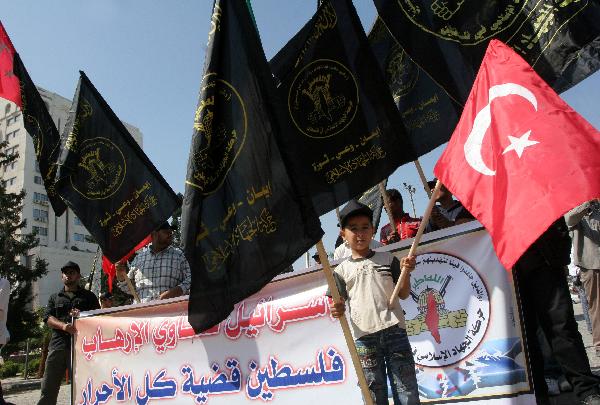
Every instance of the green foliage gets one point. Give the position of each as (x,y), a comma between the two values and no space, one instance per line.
(10,369)
(15,244)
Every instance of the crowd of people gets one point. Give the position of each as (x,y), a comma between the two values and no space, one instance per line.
(366,278)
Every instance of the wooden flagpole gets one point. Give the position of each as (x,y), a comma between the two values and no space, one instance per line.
(394,298)
(423,178)
(335,295)
(132,290)
(386,204)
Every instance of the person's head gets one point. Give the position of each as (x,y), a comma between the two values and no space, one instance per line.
(105,299)
(356,221)
(317,258)
(70,275)
(162,237)
(396,203)
(443,195)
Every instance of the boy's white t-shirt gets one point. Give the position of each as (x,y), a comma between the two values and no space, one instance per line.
(367,284)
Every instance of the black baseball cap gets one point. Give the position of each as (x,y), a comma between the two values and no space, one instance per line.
(70,265)
(354,209)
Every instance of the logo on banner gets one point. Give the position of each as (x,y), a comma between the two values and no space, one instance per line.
(401,73)
(323,99)
(220,126)
(102,169)
(449,312)
(454,20)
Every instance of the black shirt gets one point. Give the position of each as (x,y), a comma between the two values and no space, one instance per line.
(60,305)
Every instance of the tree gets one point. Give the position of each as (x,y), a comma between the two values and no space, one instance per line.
(15,244)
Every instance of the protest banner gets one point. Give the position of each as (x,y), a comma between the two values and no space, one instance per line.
(282,345)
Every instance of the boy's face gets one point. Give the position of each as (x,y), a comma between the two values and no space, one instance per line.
(358,233)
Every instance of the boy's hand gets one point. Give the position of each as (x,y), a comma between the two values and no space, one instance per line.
(337,309)
(408,263)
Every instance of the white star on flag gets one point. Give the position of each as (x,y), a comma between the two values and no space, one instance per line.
(519,144)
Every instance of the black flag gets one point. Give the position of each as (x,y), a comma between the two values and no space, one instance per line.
(429,114)
(347,134)
(559,39)
(243,221)
(374,200)
(36,118)
(106,178)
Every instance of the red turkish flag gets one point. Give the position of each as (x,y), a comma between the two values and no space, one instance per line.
(9,83)
(520,157)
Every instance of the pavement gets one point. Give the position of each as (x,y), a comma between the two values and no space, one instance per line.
(20,391)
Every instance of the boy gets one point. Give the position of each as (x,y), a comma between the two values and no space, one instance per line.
(366,280)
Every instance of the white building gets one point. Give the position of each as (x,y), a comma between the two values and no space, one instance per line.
(61,238)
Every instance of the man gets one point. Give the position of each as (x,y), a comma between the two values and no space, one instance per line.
(4,335)
(404,226)
(158,272)
(62,308)
(541,283)
(584,222)
(447,212)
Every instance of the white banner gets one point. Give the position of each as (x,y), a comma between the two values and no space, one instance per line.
(282,344)
(462,321)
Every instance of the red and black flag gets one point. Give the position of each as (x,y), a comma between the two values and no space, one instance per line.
(106,178)
(559,39)
(346,134)
(243,219)
(17,86)
(428,113)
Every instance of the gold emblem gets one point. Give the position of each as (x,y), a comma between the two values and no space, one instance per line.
(455,20)
(220,127)
(101,171)
(323,98)
(401,73)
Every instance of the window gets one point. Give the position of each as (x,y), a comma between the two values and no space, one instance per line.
(12,151)
(7,109)
(77,221)
(10,182)
(40,215)
(89,239)
(78,237)
(12,135)
(37,166)
(37,180)
(10,166)
(13,119)
(40,230)
(40,198)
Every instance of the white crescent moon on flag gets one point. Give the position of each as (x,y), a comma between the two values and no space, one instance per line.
(483,120)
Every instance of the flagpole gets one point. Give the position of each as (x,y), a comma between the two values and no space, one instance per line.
(423,178)
(394,298)
(91,276)
(335,295)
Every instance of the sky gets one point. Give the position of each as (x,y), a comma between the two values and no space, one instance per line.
(146,58)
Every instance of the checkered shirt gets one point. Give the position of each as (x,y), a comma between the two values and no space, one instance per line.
(154,273)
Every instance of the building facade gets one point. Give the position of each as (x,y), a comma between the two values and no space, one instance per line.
(61,238)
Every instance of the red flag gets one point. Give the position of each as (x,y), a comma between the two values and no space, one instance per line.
(520,157)
(9,83)
(109,267)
